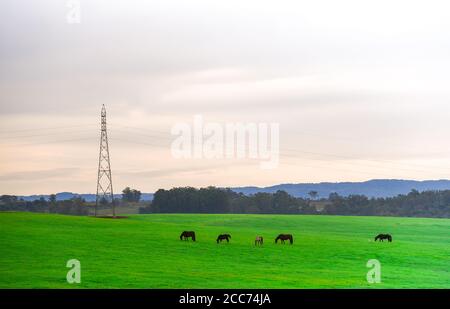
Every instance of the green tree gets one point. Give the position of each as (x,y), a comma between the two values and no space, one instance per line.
(313,194)
(131,195)
(52,198)
(52,203)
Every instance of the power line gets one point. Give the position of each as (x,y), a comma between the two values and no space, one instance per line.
(137,142)
(168,138)
(140,129)
(48,128)
(285,152)
(43,135)
(53,142)
(315,153)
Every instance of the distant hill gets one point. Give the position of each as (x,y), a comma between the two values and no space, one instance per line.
(371,188)
(87,196)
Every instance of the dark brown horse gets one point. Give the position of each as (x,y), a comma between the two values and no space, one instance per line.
(381,237)
(186,234)
(222,237)
(284,237)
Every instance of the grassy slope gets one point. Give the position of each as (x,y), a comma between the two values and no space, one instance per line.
(144,251)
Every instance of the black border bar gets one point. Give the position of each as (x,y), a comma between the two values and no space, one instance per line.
(159,297)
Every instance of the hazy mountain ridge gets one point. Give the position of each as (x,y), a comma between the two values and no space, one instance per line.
(371,188)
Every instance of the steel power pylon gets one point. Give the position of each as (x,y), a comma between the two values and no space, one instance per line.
(104,179)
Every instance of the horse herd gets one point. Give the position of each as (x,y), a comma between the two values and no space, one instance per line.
(259,240)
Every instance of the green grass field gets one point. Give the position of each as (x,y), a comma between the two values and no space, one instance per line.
(144,251)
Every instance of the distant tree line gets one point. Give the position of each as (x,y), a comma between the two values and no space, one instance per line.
(217,200)
(414,204)
(75,206)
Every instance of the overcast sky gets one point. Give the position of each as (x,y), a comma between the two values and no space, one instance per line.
(360,90)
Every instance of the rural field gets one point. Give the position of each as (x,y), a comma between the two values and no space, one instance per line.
(144,251)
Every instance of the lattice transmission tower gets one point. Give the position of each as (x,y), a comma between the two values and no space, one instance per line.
(104,180)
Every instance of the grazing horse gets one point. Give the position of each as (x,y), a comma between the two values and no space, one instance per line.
(222,237)
(259,240)
(381,237)
(284,237)
(186,234)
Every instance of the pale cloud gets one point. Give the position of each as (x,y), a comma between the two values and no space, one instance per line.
(364,80)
